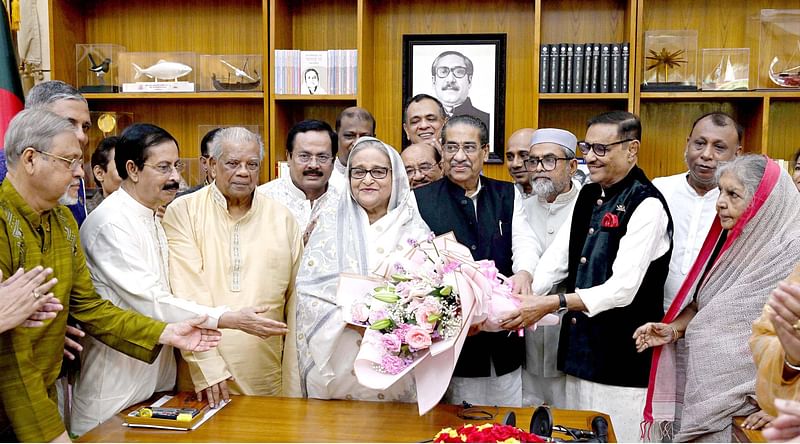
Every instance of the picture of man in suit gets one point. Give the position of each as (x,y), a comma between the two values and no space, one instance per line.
(451,73)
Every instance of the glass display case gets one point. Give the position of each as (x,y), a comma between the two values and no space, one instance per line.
(670,60)
(725,69)
(97,67)
(158,71)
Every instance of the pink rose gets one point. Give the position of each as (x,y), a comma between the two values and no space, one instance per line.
(424,311)
(359,312)
(418,338)
(391,343)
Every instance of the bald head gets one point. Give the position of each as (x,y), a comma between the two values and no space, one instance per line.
(516,152)
(351,124)
(423,164)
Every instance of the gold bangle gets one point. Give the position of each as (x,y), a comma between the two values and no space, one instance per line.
(675,335)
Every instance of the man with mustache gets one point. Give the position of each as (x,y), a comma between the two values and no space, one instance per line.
(613,257)
(692,196)
(451,74)
(423,118)
(486,215)
(231,246)
(516,154)
(352,124)
(126,251)
(310,149)
(551,163)
(44,158)
(423,164)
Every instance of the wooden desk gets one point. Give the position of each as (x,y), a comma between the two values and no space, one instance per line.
(253,418)
(741,434)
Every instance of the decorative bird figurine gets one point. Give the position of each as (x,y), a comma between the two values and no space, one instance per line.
(99,68)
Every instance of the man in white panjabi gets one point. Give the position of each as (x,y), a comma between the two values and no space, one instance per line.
(692,196)
(374,218)
(126,251)
(551,163)
(352,124)
(229,245)
(310,150)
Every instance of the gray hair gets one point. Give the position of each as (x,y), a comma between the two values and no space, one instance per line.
(46,93)
(748,169)
(33,128)
(235,134)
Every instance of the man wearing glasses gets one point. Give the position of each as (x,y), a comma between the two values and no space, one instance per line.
(126,251)
(230,246)
(551,163)
(310,149)
(423,164)
(451,73)
(613,257)
(486,216)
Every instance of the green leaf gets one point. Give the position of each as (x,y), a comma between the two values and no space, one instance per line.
(400,278)
(446,290)
(434,317)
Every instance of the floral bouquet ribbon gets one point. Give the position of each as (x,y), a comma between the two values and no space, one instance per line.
(417,317)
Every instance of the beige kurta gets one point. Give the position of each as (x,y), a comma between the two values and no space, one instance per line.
(216,260)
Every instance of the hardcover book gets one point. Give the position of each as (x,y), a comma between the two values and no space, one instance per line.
(554,68)
(595,67)
(569,68)
(587,67)
(544,69)
(624,66)
(605,66)
(577,76)
(562,67)
(616,60)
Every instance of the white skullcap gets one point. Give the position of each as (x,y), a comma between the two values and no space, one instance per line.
(557,136)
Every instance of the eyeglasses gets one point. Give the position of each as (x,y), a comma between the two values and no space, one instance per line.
(376,173)
(166,167)
(599,149)
(423,169)
(71,163)
(452,148)
(234,165)
(548,162)
(458,72)
(305,158)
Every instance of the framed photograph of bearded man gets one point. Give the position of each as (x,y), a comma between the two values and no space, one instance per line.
(466,72)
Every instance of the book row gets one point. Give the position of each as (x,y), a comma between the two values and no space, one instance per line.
(584,67)
(333,71)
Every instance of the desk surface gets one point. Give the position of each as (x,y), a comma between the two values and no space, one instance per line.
(253,418)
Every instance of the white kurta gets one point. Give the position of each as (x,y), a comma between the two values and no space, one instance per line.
(338,181)
(541,380)
(126,251)
(284,191)
(251,261)
(692,216)
(646,240)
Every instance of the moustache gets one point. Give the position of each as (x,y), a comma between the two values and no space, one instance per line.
(171,186)
(317,173)
(451,86)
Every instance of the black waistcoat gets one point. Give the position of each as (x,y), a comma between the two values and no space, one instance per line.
(445,208)
(601,348)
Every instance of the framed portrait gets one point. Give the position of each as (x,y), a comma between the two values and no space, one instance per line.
(466,72)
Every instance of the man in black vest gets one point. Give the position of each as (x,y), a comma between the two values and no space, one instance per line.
(486,215)
(613,256)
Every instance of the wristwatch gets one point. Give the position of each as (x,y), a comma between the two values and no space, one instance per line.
(562,303)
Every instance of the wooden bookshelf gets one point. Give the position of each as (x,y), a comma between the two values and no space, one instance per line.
(375,28)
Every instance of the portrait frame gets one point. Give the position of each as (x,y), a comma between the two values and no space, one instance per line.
(487,90)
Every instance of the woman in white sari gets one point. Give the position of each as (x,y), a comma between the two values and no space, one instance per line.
(376,217)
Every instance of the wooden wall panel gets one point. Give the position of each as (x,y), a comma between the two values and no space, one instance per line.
(319,24)
(577,21)
(393,18)
(784,131)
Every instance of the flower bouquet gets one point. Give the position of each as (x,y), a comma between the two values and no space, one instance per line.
(486,433)
(418,316)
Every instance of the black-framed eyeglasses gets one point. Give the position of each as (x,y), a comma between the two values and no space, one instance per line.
(458,71)
(423,169)
(548,163)
(452,148)
(376,173)
(166,167)
(599,149)
(71,163)
(305,158)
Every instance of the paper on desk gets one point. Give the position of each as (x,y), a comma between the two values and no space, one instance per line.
(164,399)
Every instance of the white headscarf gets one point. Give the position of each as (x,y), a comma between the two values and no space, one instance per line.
(345,242)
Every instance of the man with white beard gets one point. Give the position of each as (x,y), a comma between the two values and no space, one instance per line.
(551,163)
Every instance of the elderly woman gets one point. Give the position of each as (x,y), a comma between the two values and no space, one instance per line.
(377,216)
(753,244)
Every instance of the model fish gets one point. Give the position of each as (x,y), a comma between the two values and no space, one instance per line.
(163,70)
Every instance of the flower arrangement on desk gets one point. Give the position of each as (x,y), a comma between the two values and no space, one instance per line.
(486,433)
(418,314)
